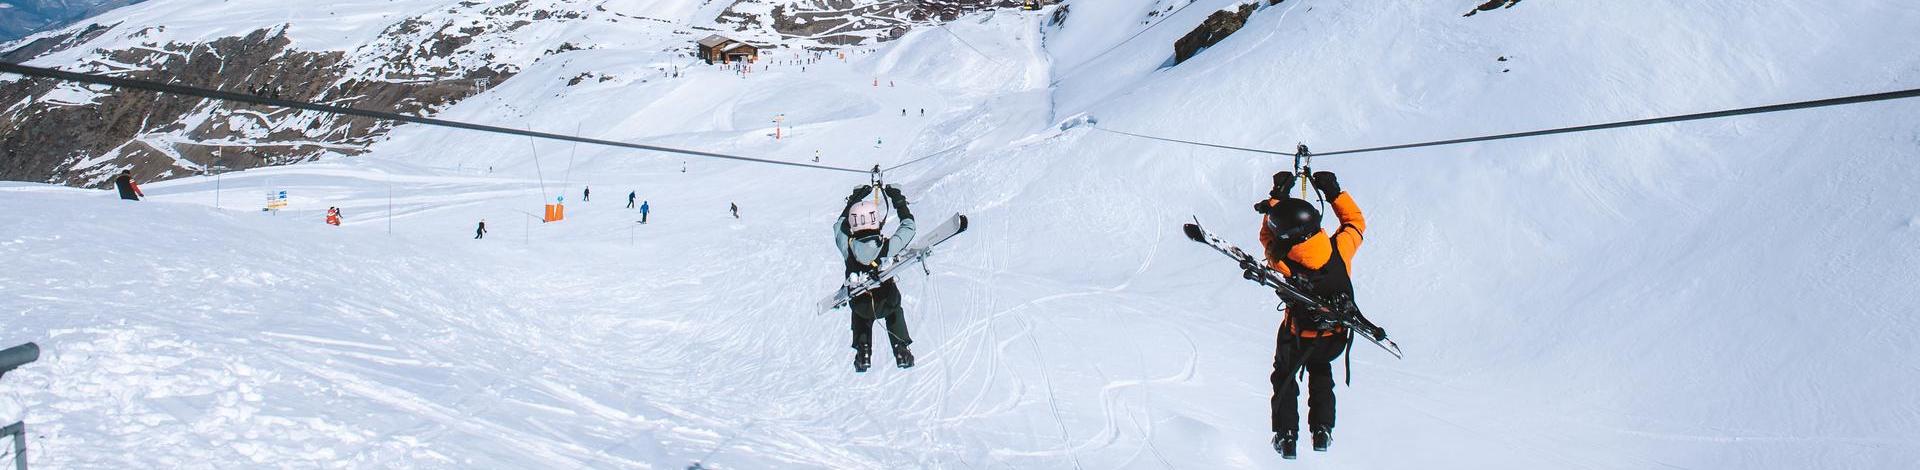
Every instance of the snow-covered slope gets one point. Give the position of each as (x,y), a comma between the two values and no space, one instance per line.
(1714,294)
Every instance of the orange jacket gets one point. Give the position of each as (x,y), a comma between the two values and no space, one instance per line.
(1317,250)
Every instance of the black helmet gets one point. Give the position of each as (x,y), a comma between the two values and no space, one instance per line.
(1292,220)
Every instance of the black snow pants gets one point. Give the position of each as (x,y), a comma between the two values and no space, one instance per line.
(1317,355)
(882,302)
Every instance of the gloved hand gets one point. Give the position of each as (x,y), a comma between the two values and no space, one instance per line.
(1328,185)
(1261,207)
(859,193)
(1282,184)
(899,201)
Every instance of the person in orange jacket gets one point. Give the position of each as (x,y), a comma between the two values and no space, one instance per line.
(1320,264)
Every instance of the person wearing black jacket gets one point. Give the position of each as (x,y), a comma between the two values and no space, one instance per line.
(128,189)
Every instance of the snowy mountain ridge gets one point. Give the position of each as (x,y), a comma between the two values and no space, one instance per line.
(413,57)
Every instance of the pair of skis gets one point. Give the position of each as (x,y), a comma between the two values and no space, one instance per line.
(1256,271)
(914,255)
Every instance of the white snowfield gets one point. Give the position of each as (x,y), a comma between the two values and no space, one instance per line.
(1736,293)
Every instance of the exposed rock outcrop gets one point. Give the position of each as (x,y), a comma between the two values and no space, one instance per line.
(1492,5)
(1216,28)
(850,22)
(80,135)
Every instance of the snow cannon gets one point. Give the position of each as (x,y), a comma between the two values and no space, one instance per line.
(17,356)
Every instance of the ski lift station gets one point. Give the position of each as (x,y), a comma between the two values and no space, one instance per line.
(724,50)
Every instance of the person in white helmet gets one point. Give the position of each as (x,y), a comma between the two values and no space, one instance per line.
(864,246)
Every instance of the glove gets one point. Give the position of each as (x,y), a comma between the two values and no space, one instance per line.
(899,201)
(1261,207)
(859,193)
(1328,185)
(1282,184)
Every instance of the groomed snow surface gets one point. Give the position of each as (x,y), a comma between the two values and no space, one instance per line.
(1723,294)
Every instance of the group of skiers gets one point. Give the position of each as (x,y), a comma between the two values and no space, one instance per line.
(1295,244)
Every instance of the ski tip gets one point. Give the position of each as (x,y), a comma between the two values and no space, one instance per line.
(1194,233)
(963,221)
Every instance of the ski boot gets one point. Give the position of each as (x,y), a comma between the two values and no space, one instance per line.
(1322,437)
(862,359)
(902,357)
(1285,443)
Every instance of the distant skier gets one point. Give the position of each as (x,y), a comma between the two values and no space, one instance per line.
(586,194)
(643,211)
(735,208)
(480,231)
(864,249)
(630,198)
(1298,248)
(128,189)
(333,216)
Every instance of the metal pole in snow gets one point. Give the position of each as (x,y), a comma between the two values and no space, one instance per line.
(389,203)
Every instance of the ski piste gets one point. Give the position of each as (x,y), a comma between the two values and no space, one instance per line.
(1256,271)
(912,256)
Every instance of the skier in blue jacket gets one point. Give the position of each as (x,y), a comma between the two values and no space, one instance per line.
(859,236)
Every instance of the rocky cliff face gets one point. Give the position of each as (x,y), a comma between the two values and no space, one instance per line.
(80,135)
(1216,28)
(849,22)
(72,134)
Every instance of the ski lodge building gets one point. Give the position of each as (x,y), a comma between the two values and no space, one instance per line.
(720,49)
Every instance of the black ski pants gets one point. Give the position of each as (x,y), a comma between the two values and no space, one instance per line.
(882,302)
(1291,353)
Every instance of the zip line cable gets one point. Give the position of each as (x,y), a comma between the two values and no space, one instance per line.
(31,71)
(936,19)
(964,42)
(917,160)
(1821,103)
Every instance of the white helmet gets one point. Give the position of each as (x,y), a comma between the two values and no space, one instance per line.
(864,218)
